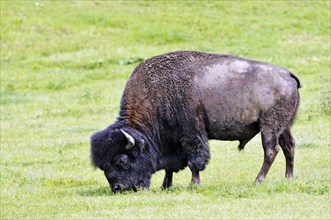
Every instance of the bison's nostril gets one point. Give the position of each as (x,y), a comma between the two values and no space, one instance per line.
(117,188)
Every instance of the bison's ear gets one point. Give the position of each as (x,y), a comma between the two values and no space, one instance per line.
(131,141)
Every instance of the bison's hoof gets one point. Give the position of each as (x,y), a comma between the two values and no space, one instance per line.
(166,186)
(195,185)
(259,180)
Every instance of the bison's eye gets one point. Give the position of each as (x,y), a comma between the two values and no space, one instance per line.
(122,161)
(104,167)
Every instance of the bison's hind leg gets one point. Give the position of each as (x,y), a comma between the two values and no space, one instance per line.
(287,142)
(270,147)
(274,129)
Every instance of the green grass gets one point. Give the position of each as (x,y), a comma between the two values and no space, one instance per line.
(63,69)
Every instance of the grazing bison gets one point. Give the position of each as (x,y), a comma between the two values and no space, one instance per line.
(174,103)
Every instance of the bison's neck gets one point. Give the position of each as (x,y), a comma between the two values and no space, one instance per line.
(166,153)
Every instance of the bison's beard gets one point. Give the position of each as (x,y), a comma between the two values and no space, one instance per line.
(129,184)
(121,188)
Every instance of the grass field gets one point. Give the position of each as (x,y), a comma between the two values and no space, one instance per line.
(64,65)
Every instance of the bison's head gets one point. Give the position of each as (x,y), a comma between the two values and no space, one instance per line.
(125,157)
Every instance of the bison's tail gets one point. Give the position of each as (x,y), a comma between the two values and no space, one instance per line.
(296,79)
(297,96)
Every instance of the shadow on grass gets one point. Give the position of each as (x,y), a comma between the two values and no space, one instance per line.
(106,191)
(223,191)
(102,191)
(227,190)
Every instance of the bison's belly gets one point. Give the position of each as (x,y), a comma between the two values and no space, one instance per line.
(233,131)
(231,116)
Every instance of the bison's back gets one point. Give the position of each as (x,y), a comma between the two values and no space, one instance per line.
(230,93)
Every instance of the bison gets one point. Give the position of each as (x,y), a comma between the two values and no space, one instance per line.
(173,103)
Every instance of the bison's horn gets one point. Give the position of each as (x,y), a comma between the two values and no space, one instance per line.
(130,139)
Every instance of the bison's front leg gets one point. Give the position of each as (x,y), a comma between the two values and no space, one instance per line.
(167,181)
(195,177)
(197,150)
